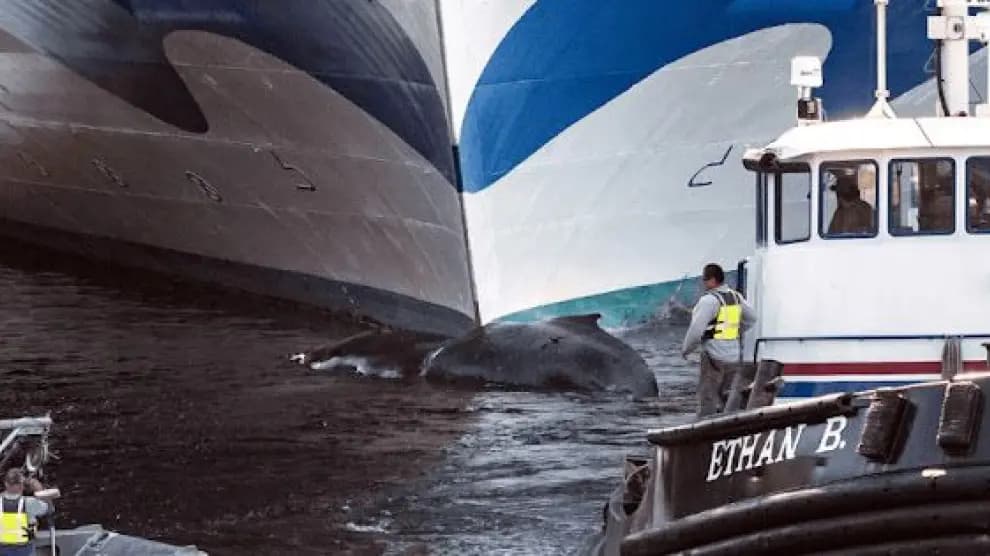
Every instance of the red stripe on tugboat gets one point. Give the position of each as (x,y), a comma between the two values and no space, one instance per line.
(876,368)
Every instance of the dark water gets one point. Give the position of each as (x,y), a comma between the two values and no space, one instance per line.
(178,417)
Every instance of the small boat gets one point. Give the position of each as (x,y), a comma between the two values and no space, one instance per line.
(26,445)
(863,428)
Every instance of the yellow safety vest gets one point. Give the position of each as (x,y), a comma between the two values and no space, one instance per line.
(725,325)
(14,526)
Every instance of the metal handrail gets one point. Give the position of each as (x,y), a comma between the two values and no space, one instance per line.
(759,419)
(860,338)
(27,422)
(24,426)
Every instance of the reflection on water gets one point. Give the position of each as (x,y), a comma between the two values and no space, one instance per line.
(178,417)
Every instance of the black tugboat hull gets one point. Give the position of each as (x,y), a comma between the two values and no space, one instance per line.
(894,471)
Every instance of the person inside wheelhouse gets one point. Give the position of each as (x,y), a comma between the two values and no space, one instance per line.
(849,197)
(852,215)
(922,197)
(940,199)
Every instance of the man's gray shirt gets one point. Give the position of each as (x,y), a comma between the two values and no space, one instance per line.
(705,311)
(33,507)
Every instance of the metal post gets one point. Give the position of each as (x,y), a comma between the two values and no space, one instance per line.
(882,91)
(881,109)
(955,56)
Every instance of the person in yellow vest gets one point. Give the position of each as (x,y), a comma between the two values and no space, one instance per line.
(717,323)
(19,514)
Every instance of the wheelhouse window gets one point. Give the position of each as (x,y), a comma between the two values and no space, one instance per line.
(978,193)
(848,199)
(792,206)
(922,197)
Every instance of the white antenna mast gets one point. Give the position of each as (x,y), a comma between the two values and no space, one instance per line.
(882,109)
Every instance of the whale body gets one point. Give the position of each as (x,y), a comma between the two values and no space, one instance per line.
(566,353)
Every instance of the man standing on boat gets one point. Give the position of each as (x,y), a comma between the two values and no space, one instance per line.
(717,323)
(19,514)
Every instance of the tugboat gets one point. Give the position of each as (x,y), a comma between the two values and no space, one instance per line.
(26,445)
(870,266)
(870,279)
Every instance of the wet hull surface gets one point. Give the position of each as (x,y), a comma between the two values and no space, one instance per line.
(303,143)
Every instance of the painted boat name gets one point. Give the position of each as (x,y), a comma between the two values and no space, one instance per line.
(764,448)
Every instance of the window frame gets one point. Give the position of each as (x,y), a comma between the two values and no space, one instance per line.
(801,168)
(890,195)
(822,232)
(762,209)
(968,230)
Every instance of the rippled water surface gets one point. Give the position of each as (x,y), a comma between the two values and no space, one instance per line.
(179,417)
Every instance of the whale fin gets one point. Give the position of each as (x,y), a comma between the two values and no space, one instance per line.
(590,319)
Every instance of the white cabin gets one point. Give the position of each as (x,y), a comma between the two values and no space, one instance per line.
(872,265)
(853,302)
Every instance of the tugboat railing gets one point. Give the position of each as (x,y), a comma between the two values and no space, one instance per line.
(760,419)
(863,338)
(37,423)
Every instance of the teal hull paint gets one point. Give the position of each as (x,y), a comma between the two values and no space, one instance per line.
(619,308)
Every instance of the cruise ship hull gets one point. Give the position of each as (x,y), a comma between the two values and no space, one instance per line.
(601,141)
(299,150)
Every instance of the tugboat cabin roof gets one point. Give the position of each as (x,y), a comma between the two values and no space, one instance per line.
(880,134)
